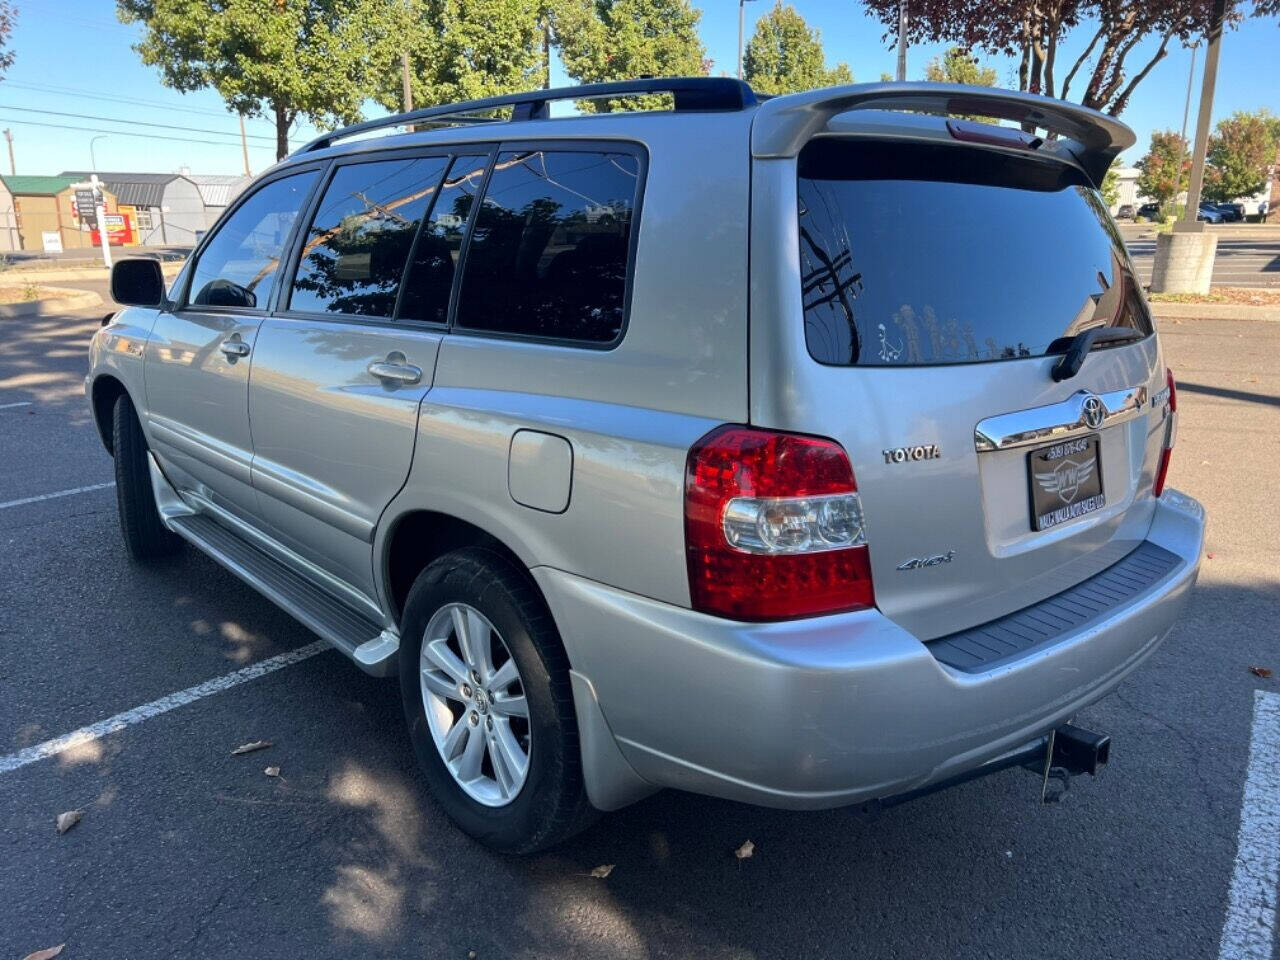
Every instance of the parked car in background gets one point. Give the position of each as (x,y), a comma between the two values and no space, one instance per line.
(1209,213)
(1231,212)
(1148,212)
(1125,212)
(712,448)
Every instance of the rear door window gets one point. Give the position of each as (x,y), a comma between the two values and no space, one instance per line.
(435,258)
(238,266)
(549,250)
(920,254)
(356,248)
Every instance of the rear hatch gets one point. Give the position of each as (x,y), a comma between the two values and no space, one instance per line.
(938,284)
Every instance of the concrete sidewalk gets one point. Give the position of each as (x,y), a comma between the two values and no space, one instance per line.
(1215,311)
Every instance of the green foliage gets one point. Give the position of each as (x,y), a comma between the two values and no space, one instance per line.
(1240,155)
(603,40)
(280,59)
(959,65)
(1111,183)
(8,20)
(1166,168)
(463,50)
(785,56)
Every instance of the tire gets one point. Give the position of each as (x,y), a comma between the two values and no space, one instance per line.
(145,537)
(550,803)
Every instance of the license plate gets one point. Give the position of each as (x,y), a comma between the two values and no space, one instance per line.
(1065,480)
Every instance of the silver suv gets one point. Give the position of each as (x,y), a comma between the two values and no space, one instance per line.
(804,451)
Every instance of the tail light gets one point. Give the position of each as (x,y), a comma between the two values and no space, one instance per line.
(773,527)
(1170,437)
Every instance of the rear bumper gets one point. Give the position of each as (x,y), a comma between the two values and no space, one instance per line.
(834,710)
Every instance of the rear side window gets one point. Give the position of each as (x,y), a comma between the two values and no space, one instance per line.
(917,255)
(238,267)
(358,243)
(435,259)
(549,250)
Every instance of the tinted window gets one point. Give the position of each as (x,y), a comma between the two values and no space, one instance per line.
(997,261)
(548,252)
(238,267)
(435,259)
(359,240)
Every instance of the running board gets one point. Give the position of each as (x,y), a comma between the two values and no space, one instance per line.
(374,649)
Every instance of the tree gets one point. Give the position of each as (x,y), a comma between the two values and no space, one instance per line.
(1110,189)
(1241,153)
(8,20)
(1166,169)
(463,50)
(785,56)
(280,59)
(602,40)
(1032,30)
(958,65)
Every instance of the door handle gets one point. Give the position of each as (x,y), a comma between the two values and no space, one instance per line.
(395,368)
(234,347)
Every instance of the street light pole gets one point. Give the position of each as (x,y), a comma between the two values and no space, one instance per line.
(93,160)
(741,13)
(1186,107)
(1189,222)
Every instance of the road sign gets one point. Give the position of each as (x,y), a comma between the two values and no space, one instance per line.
(87,206)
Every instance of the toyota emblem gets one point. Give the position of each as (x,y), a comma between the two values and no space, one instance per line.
(1094,412)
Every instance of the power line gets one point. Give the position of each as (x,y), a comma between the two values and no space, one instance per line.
(138,123)
(120,133)
(132,101)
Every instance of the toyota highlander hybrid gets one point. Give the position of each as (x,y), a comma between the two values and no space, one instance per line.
(804,451)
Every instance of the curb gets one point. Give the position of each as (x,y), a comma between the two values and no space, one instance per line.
(1214,311)
(74,300)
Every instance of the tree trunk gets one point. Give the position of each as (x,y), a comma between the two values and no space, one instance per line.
(282,129)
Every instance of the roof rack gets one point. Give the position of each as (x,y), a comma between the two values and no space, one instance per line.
(691,94)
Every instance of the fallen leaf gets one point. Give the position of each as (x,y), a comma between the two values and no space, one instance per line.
(272,771)
(251,747)
(1209,555)
(68,820)
(748,849)
(1263,672)
(46,954)
(602,871)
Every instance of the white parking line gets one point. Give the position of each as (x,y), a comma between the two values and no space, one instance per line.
(53,496)
(10,406)
(1250,929)
(96,731)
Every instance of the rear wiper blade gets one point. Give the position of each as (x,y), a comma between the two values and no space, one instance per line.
(1078,347)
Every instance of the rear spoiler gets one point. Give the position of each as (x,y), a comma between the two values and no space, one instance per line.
(782,125)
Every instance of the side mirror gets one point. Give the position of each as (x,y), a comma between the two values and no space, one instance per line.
(137,283)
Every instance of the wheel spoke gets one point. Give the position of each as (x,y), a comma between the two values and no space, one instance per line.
(453,740)
(516,706)
(474,639)
(506,675)
(468,768)
(507,752)
(501,770)
(440,684)
(438,654)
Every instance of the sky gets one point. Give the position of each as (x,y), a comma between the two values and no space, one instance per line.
(77,95)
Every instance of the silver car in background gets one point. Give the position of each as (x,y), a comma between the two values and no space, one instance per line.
(803,452)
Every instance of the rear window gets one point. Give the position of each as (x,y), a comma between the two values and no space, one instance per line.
(921,254)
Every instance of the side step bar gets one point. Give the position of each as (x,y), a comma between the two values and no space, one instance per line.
(372,648)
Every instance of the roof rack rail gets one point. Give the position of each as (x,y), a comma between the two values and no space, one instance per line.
(691,94)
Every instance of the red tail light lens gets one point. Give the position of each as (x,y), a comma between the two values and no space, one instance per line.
(1170,437)
(773,527)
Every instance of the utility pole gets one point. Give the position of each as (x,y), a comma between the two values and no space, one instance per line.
(741,14)
(1206,114)
(404,80)
(13,169)
(902,41)
(244,145)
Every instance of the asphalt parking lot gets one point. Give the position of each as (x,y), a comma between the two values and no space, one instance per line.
(187,851)
(1240,261)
